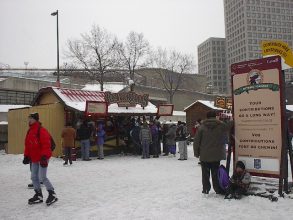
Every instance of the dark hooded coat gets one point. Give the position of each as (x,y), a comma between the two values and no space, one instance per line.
(209,142)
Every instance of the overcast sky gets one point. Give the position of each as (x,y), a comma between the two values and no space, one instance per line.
(28,31)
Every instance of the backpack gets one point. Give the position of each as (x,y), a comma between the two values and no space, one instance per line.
(53,144)
(223,177)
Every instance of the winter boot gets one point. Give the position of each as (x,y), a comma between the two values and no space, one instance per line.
(229,196)
(51,198)
(38,198)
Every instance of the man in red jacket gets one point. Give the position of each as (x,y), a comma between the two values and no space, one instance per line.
(38,152)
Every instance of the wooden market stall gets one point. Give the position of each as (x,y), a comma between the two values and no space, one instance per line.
(56,106)
(198,110)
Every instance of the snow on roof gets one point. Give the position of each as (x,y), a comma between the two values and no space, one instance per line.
(5,108)
(2,79)
(179,113)
(3,123)
(111,87)
(209,104)
(76,99)
(150,108)
(289,108)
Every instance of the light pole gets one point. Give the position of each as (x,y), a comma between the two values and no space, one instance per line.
(58,75)
(25,63)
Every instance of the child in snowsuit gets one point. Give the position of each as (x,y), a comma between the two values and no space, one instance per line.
(239,182)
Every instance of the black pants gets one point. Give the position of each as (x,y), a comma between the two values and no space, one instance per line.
(235,189)
(207,168)
(155,147)
(67,154)
(136,147)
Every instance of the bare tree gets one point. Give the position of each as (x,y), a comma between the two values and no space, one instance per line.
(96,52)
(134,52)
(170,66)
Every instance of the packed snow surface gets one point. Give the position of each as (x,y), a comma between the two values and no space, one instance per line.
(127,187)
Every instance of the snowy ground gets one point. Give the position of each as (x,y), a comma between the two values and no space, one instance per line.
(127,187)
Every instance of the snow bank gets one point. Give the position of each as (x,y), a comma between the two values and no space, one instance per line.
(127,187)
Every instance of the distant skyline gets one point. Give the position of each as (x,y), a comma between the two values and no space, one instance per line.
(28,31)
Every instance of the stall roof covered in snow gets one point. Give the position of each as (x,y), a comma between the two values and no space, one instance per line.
(179,113)
(111,87)
(5,108)
(209,104)
(76,99)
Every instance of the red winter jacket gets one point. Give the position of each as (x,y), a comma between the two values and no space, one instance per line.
(36,147)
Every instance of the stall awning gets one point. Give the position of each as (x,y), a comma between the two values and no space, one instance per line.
(76,99)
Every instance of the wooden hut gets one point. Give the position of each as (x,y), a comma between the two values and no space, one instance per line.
(198,110)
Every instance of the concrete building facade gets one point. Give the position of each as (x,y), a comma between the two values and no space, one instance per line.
(248,22)
(212,64)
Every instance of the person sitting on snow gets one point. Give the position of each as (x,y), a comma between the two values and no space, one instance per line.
(239,182)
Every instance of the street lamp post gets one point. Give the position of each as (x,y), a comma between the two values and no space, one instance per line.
(58,74)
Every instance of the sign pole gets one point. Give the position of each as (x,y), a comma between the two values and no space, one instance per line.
(230,145)
(283,182)
(290,152)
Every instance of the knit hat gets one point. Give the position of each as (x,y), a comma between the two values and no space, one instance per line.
(240,164)
(35,116)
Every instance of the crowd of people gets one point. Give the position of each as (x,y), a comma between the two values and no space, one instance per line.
(138,137)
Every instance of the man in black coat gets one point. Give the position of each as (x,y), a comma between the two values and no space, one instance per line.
(134,133)
(84,133)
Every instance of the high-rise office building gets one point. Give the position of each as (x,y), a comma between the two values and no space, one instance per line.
(212,63)
(248,22)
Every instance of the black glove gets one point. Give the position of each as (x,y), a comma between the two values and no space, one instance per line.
(26,160)
(44,161)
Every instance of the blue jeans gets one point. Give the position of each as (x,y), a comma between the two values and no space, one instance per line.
(39,174)
(85,149)
(145,148)
(101,151)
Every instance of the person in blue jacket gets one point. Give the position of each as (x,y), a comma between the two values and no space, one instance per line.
(100,141)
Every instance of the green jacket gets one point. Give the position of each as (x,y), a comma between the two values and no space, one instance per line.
(209,142)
